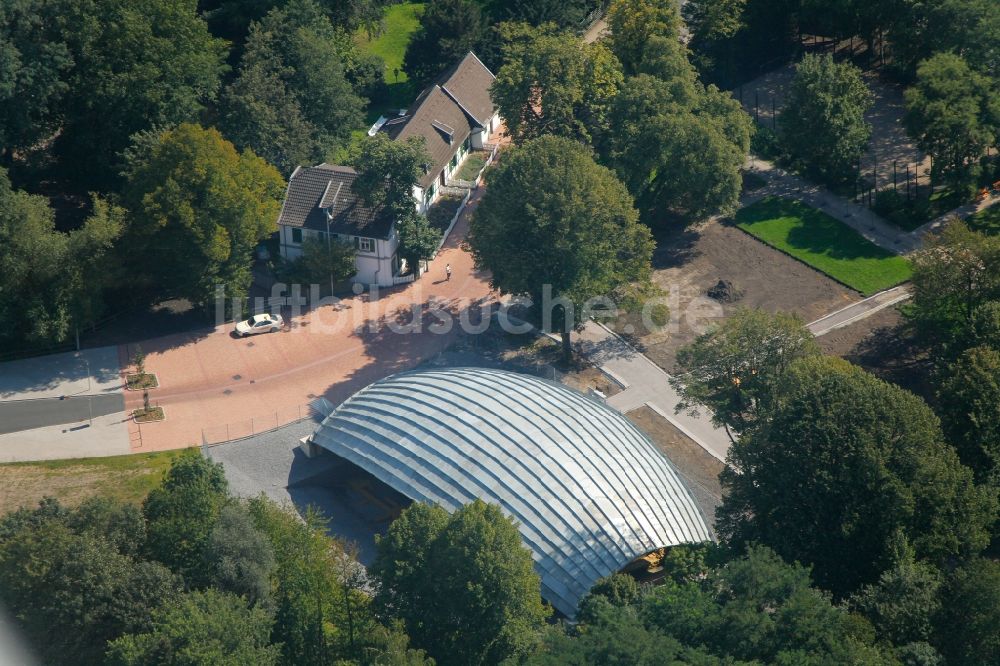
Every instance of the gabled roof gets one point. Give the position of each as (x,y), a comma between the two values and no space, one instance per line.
(447,112)
(468,83)
(313,190)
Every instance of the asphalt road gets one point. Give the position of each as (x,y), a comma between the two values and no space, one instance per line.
(17,415)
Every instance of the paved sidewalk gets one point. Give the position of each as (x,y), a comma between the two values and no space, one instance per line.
(108,436)
(88,372)
(860,310)
(646,384)
(960,212)
(784,184)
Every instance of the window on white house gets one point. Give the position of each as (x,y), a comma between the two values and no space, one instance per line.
(297,235)
(366,244)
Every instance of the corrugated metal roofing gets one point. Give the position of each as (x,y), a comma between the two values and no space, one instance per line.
(589,491)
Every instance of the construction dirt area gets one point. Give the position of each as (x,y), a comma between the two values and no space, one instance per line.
(689,262)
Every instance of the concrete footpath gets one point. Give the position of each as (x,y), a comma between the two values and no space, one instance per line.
(860,310)
(646,384)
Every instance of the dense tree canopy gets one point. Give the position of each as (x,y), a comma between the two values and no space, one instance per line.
(969,406)
(198,209)
(842,465)
(955,278)
(948,112)
(34,62)
(72,584)
(678,146)
(209,627)
(552,83)
(53,281)
(291,103)
(754,609)
(734,369)
(182,513)
(464,585)
(136,65)
(822,125)
(563,13)
(554,219)
(633,23)
(448,30)
(970,613)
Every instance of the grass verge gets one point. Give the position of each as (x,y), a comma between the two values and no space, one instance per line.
(125,478)
(401,21)
(986,220)
(820,241)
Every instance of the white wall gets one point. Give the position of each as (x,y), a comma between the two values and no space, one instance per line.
(373,267)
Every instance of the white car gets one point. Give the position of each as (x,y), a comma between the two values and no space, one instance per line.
(262,323)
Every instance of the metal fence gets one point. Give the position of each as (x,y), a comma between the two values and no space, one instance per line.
(229,432)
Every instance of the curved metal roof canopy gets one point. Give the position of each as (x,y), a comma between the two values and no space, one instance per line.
(589,491)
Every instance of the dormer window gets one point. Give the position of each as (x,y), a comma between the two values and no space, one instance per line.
(446,130)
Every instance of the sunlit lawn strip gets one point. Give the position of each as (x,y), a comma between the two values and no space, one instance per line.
(829,246)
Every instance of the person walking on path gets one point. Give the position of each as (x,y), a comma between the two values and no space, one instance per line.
(447,272)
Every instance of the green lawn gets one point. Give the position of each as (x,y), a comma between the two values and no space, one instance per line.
(401,21)
(987,221)
(816,239)
(127,478)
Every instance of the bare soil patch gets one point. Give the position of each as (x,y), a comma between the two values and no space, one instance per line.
(688,263)
(883,344)
(698,468)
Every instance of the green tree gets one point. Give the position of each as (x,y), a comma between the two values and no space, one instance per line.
(552,219)
(199,208)
(734,369)
(968,621)
(71,589)
(843,465)
(758,608)
(552,83)
(238,557)
(563,13)
(464,585)
(418,240)
(918,30)
(677,146)
(388,171)
(322,611)
(903,603)
(291,103)
(53,281)
(633,23)
(948,115)
(822,125)
(956,273)
(448,30)
(232,18)
(34,65)
(136,65)
(182,512)
(969,406)
(209,627)
(323,261)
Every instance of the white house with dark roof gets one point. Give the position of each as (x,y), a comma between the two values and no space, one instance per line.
(320,203)
(454,115)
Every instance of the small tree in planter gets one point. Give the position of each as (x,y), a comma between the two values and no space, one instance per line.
(140,379)
(148,413)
